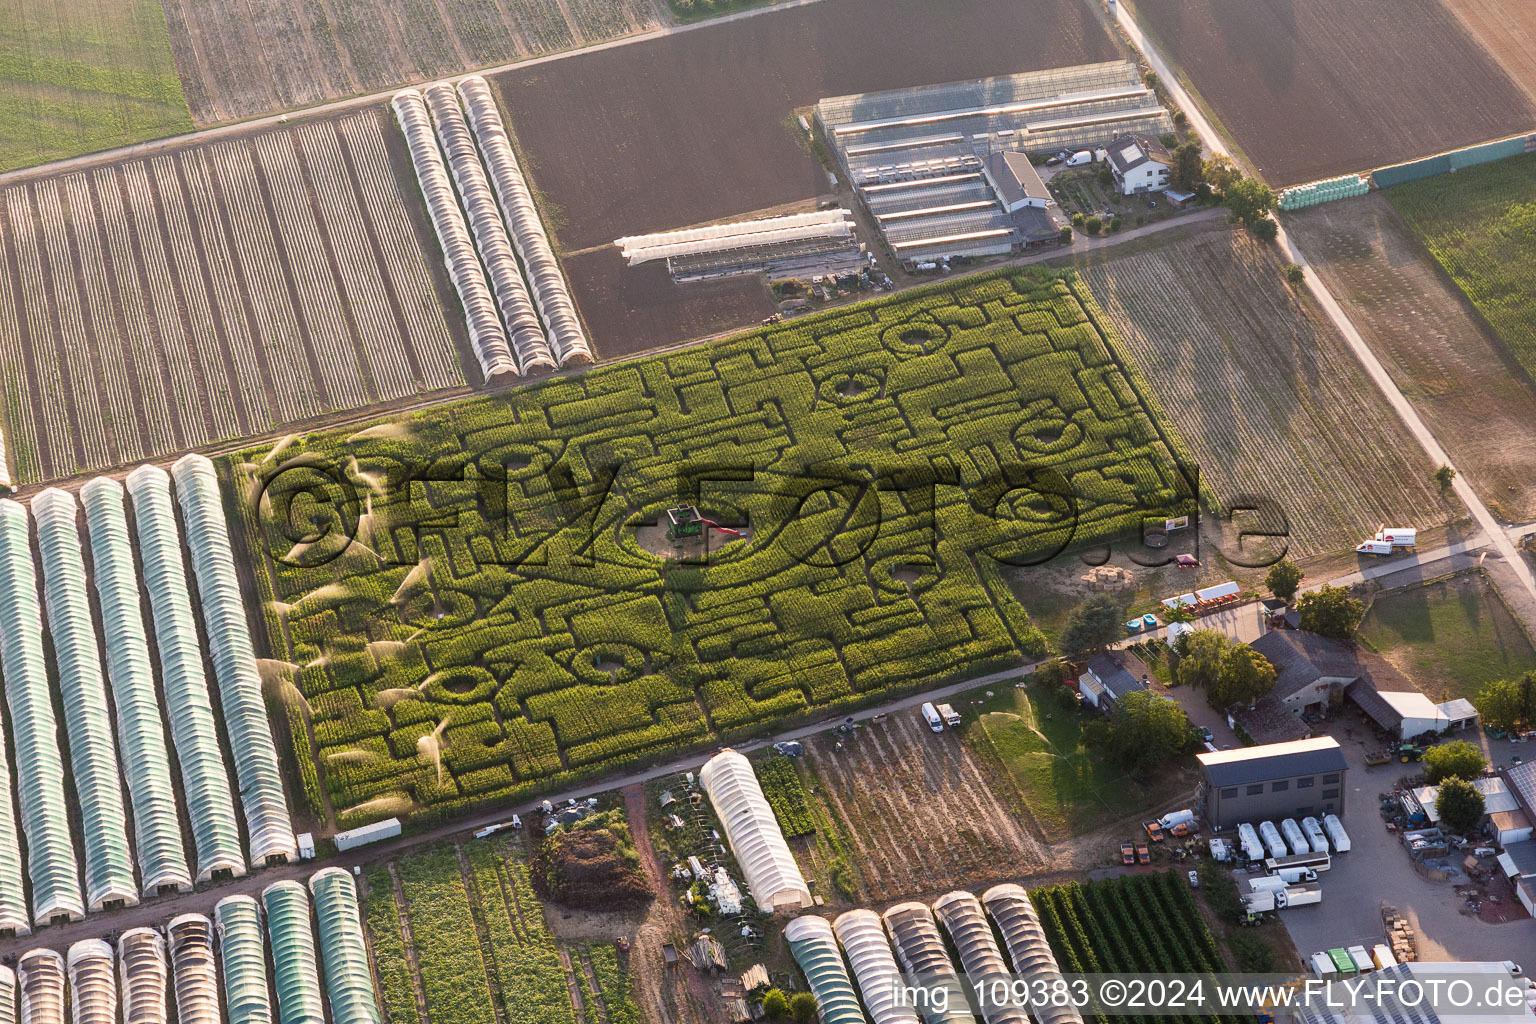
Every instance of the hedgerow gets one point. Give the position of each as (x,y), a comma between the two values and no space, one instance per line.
(494,635)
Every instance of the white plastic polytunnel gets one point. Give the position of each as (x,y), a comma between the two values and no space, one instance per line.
(204,779)
(486,333)
(921,953)
(13,896)
(962,916)
(517,311)
(40,770)
(92,983)
(243,959)
(566,337)
(147,765)
(7,995)
(1031,954)
(814,947)
(143,976)
(193,974)
(756,840)
(87,719)
(874,966)
(234,664)
(40,976)
(295,975)
(343,953)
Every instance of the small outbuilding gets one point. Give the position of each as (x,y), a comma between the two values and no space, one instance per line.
(1109,676)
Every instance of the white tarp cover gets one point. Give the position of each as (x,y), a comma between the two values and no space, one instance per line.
(874,965)
(40,976)
(295,974)
(192,969)
(92,750)
(140,732)
(51,860)
(189,708)
(756,840)
(1182,599)
(7,995)
(234,663)
(143,976)
(1220,590)
(92,983)
(243,958)
(343,953)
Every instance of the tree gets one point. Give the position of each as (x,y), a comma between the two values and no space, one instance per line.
(1282,580)
(1265,229)
(1066,234)
(1501,704)
(1221,173)
(802,1008)
(1179,613)
(1106,176)
(1200,654)
(775,1004)
(1077,220)
(1457,759)
(1114,224)
(1092,625)
(1092,225)
(1148,729)
(1294,273)
(1459,805)
(1331,612)
(1245,676)
(1443,477)
(1188,169)
(1249,200)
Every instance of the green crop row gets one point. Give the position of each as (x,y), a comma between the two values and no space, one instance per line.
(786,795)
(390,965)
(453,969)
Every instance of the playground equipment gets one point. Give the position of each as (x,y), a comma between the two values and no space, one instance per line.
(685,521)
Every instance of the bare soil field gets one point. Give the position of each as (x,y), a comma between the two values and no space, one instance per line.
(633,309)
(1312,88)
(1476,398)
(919,810)
(216,291)
(690,128)
(241,59)
(1270,399)
(1508,31)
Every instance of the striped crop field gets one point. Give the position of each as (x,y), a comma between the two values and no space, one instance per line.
(210,292)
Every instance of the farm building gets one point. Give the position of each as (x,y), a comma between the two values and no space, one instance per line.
(1312,672)
(1520,779)
(945,170)
(798,245)
(1275,780)
(1500,806)
(756,840)
(1139,164)
(1109,676)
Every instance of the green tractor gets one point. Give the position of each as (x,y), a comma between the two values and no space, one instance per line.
(1408,752)
(685,521)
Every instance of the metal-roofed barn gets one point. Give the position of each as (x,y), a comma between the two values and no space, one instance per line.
(92,983)
(93,760)
(1010,907)
(140,732)
(243,960)
(753,832)
(234,664)
(921,952)
(874,965)
(189,706)
(143,976)
(962,916)
(1274,780)
(296,977)
(51,863)
(40,976)
(343,953)
(192,969)
(814,946)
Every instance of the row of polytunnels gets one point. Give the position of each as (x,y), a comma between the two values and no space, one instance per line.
(106,751)
(517,306)
(152,977)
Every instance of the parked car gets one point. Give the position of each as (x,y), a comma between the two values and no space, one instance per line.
(1127,853)
(1207,735)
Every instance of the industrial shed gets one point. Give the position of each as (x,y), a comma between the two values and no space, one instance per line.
(874,966)
(343,952)
(920,951)
(51,863)
(756,840)
(40,976)
(971,932)
(144,976)
(156,820)
(92,983)
(109,877)
(234,663)
(1296,779)
(1028,947)
(814,946)
(189,706)
(295,975)
(243,960)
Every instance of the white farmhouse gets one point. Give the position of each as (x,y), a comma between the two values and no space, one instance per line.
(1139,164)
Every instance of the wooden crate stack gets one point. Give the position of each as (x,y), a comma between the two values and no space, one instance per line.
(1399,935)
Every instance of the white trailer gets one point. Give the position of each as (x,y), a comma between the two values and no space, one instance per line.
(1314,830)
(1399,537)
(1294,837)
(1363,962)
(1252,848)
(379,830)
(932,717)
(1299,895)
(1381,953)
(1272,840)
(1266,883)
(1336,833)
(1221,850)
(1322,966)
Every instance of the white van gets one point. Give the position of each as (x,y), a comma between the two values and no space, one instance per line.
(933,718)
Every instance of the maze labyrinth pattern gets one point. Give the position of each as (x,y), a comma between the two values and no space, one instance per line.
(456,653)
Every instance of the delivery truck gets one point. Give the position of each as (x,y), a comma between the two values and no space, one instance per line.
(932,717)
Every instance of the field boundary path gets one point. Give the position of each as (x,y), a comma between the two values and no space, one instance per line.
(1320,291)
